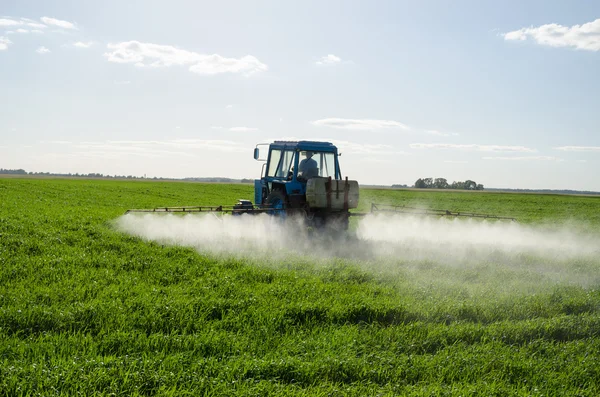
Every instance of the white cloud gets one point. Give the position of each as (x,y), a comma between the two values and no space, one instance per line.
(579,148)
(359,124)
(363,148)
(36,25)
(472,147)
(42,50)
(440,133)
(81,44)
(22,31)
(59,23)
(582,37)
(456,161)
(329,59)
(228,106)
(57,142)
(524,158)
(36,31)
(122,82)
(243,129)
(153,149)
(4,22)
(349,147)
(10,22)
(4,43)
(156,55)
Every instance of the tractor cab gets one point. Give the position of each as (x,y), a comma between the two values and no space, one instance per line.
(288,167)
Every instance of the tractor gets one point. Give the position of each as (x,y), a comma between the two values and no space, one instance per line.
(303,178)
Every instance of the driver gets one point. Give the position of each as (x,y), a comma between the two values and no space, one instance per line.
(308,167)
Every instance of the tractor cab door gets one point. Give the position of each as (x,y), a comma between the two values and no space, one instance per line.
(280,163)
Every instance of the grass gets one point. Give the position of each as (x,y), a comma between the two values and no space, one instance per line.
(85,309)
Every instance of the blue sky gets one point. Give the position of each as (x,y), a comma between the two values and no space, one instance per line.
(504,93)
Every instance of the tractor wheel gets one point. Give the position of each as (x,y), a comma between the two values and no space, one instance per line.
(276,203)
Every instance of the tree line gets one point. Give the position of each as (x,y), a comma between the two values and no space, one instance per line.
(442,183)
(77,175)
(13,172)
(98,175)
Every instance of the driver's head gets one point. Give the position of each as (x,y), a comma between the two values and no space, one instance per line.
(309,155)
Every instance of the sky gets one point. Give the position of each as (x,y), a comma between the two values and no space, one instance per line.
(503,93)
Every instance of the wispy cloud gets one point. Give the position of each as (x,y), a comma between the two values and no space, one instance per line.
(350,147)
(56,142)
(42,50)
(456,161)
(579,148)
(26,26)
(58,23)
(359,124)
(150,148)
(582,37)
(6,22)
(440,133)
(82,44)
(328,60)
(472,147)
(243,129)
(362,148)
(36,25)
(4,43)
(524,158)
(156,55)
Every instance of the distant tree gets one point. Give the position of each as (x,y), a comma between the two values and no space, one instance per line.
(470,185)
(428,182)
(479,187)
(440,183)
(420,184)
(15,172)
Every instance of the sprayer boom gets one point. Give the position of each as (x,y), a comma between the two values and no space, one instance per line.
(375,208)
(224,209)
(220,208)
(242,207)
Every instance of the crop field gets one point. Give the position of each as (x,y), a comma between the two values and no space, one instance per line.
(93,302)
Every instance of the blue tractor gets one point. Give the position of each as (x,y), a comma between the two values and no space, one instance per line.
(302,178)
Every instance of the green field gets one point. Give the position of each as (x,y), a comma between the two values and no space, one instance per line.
(86,309)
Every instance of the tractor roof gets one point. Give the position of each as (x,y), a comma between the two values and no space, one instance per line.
(307,145)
